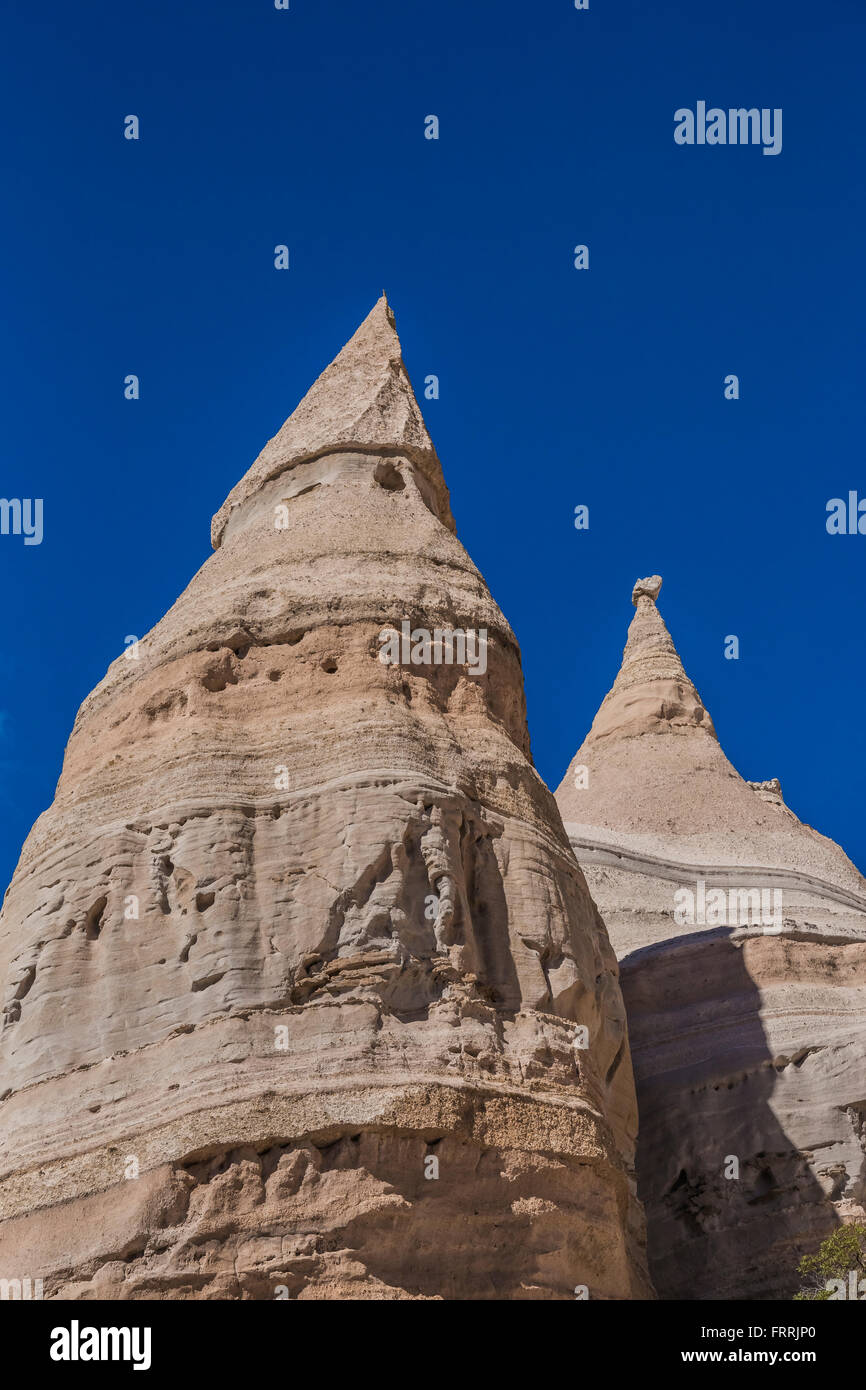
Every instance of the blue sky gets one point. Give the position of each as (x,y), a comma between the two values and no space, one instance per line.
(558,387)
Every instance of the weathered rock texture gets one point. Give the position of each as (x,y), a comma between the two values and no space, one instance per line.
(748,1028)
(299,921)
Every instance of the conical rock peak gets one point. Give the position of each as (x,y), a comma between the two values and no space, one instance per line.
(741,937)
(363,401)
(651,693)
(651,773)
(300,903)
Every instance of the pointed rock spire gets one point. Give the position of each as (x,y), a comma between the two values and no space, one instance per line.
(652,691)
(362,401)
(654,770)
(301,904)
(741,936)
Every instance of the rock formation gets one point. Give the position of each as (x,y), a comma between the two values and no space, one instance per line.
(741,936)
(302,927)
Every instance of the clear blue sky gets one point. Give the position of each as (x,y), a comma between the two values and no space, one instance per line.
(558,387)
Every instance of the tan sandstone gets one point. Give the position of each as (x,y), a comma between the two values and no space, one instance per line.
(300,921)
(748,1029)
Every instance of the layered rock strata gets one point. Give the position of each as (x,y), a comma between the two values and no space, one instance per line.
(741,936)
(304,992)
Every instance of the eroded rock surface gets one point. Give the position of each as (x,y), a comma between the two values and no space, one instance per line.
(300,921)
(747,1022)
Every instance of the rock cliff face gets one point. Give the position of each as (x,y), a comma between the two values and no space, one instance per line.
(302,926)
(741,935)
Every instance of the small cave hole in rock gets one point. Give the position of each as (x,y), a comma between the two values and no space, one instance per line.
(275,675)
(187,947)
(93,920)
(389,477)
(207,981)
(329,664)
(764,1185)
